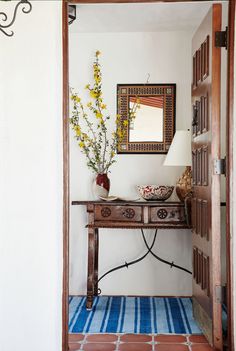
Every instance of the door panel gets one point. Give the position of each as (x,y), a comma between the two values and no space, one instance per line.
(206,185)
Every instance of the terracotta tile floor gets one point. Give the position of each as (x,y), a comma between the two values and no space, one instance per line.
(137,342)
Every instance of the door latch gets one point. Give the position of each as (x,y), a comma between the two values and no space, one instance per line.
(195,115)
(219,166)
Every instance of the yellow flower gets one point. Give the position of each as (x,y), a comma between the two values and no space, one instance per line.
(98,115)
(97,79)
(119,133)
(85,136)
(93,94)
(132,115)
(96,131)
(77,130)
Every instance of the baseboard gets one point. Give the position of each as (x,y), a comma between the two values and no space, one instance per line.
(203,320)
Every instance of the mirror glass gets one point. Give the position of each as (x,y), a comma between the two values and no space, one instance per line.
(148,123)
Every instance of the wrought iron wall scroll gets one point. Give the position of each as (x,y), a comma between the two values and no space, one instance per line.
(5,25)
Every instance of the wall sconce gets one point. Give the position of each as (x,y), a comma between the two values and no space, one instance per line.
(4,25)
(72,13)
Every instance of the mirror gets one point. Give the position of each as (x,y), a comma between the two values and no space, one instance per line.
(148,123)
(152,129)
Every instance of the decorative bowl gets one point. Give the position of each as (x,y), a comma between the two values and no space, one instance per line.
(155,192)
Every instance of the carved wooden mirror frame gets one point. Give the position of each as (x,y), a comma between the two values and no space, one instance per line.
(124,94)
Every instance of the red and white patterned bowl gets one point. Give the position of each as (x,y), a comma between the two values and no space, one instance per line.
(155,192)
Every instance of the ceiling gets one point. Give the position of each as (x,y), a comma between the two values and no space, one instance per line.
(139,17)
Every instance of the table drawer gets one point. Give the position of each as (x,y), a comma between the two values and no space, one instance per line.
(167,214)
(118,213)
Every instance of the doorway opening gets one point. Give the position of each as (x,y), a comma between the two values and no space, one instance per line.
(134,49)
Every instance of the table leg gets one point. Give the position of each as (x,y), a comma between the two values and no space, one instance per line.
(96,261)
(91,261)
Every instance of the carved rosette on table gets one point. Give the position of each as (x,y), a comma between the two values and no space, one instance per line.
(101,185)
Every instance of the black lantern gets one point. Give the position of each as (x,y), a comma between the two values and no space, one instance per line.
(72,13)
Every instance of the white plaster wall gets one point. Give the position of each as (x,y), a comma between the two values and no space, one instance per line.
(31,180)
(128,58)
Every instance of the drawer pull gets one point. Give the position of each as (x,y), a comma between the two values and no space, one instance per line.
(129,213)
(162,213)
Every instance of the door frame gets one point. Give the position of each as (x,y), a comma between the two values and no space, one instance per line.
(230,172)
(66,165)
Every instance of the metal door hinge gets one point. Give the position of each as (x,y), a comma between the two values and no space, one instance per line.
(220,166)
(218,294)
(221,39)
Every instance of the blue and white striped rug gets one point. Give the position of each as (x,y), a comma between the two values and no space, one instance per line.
(120,314)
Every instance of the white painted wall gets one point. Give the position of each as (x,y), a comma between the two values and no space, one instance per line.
(31,180)
(128,58)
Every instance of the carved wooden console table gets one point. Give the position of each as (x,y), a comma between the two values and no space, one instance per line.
(125,215)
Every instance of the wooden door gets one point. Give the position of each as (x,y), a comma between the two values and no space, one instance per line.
(206,183)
